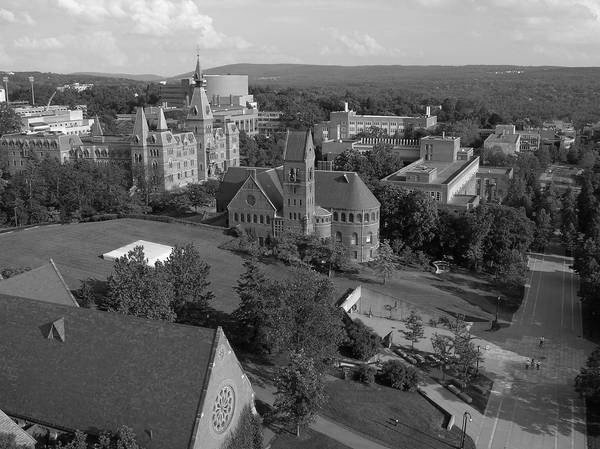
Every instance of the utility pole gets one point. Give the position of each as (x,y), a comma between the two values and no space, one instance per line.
(31,79)
(5,80)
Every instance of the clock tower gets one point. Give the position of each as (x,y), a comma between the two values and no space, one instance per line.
(299,182)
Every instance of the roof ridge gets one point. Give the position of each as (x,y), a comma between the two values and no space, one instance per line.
(62,281)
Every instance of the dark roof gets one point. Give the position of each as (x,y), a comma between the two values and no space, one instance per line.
(343,190)
(296,143)
(111,370)
(22,438)
(44,283)
(232,181)
(270,182)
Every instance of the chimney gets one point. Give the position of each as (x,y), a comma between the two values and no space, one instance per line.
(345,106)
(428,111)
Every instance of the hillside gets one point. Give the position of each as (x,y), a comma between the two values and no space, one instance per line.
(128,76)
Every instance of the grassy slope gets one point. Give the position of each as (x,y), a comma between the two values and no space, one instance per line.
(308,440)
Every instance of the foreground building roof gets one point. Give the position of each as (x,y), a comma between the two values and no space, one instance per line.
(44,283)
(10,427)
(74,368)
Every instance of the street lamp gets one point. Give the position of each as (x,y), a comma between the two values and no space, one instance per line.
(497,307)
(5,81)
(31,79)
(477,360)
(464,428)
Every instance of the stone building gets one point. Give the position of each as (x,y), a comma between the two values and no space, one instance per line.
(296,198)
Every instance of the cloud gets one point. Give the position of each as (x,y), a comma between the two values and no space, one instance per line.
(45,43)
(11,17)
(7,16)
(356,44)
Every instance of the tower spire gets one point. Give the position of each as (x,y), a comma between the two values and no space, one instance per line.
(198,80)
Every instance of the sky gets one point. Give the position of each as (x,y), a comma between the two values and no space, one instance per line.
(163,36)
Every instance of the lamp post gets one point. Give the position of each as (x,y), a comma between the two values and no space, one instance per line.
(5,81)
(498,307)
(466,415)
(477,360)
(31,79)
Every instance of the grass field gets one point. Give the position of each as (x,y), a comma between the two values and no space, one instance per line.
(370,409)
(308,440)
(77,250)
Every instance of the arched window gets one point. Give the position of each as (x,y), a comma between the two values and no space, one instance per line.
(344,216)
(170,163)
(255,218)
(242,217)
(359,217)
(338,236)
(268,220)
(369,237)
(351,217)
(154,165)
(367,216)
(335,216)
(262,219)
(235,217)
(372,216)
(249,218)
(354,240)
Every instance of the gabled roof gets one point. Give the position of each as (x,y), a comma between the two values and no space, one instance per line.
(251,180)
(296,145)
(96,129)
(22,438)
(44,283)
(270,183)
(140,128)
(111,370)
(342,190)
(199,105)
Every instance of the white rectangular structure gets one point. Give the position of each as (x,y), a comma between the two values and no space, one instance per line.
(154,252)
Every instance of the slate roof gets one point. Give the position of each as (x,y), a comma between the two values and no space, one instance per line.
(342,190)
(44,283)
(233,179)
(111,370)
(22,438)
(295,145)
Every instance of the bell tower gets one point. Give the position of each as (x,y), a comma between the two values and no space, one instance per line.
(200,120)
(299,182)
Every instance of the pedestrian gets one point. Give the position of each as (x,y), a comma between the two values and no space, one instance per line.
(541,341)
(396,422)
(537,365)
(532,362)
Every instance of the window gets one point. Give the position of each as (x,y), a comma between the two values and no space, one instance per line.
(290,215)
(255,218)
(338,236)
(268,220)
(372,216)
(261,241)
(235,217)
(242,217)
(335,216)
(369,237)
(355,254)
(248,218)
(367,216)
(343,216)
(354,240)
(351,217)
(359,217)
(262,219)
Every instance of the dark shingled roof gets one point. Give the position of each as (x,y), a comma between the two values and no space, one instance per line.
(233,179)
(44,283)
(270,182)
(10,427)
(111,370)
(295,145)
(343,190)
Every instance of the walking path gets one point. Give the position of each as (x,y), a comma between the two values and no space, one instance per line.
(530,408)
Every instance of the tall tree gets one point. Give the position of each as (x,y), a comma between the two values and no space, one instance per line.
(250,313)
(135,288)
(300,391)
(187,273)
(414,328)
(587,382)
(385,262)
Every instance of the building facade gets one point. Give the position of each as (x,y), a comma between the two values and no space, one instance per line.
(445,171)
(53,118)
(296,198)
(493,182)
(269,122)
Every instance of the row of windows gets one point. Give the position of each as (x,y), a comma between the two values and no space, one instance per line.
(369,238)
(358,217)
(251,218)
(323,220)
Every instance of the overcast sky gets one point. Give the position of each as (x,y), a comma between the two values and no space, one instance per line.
(161,36)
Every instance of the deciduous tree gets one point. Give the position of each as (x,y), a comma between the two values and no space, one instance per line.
(414,327)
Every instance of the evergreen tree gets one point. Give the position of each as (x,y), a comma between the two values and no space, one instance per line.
(250,312)
(385,262)
(414,328)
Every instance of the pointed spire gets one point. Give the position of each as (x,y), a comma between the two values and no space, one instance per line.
(198,79)
(140,128)
(161,124)
(199,105)
(96,129)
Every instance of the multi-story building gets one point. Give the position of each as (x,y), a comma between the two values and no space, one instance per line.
(296,198)
(504,139)
(346,124)
(269,122)
(2,95)
(53,118)
(444,171)
(492,182)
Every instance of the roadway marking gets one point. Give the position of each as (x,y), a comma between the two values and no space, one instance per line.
(512,423)
(526,300)
(495,422)
(537,294)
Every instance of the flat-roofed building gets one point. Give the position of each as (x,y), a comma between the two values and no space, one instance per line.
(492,182)
(53,118)
(445,171)
(269,122)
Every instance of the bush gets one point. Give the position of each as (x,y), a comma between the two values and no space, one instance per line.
(248,433)
(396,375)
(362,342)
(366,374)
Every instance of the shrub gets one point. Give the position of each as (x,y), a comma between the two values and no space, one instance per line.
(366,374)
(396,375)
(362,341)
(248,433)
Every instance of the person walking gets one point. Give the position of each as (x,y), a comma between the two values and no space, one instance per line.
(537,365)
(542,341)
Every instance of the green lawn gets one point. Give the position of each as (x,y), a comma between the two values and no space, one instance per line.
(309,439)
(371,409)
(76,249)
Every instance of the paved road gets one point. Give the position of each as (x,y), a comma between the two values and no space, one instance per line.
(533,409)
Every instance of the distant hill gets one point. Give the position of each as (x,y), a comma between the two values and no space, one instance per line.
(323,75)
(129,76)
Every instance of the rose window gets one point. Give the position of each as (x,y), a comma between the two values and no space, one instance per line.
(223,409)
